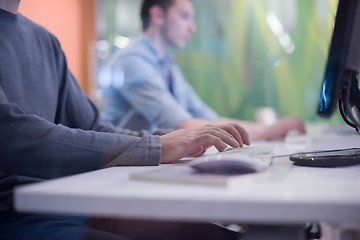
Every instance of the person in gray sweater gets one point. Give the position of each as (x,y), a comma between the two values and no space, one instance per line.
(50,129)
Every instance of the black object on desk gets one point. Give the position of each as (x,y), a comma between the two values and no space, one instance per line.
(331,158)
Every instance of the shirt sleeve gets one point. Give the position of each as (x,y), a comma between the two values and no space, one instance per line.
(145,90)
(76,142)
(194,104)
(198,108)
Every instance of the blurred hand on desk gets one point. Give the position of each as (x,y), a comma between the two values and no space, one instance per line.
(278,130)
(282,127)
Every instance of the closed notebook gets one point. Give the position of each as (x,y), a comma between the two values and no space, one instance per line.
(188,173)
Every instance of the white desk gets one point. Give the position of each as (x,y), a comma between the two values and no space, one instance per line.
(304,194)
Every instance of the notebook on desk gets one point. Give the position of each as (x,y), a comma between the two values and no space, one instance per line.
(254,160)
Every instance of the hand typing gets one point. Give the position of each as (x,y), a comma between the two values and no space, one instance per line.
(193,141)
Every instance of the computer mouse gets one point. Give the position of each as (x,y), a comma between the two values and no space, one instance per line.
(224,167)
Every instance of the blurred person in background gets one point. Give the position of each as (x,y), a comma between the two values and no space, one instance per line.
(148,89)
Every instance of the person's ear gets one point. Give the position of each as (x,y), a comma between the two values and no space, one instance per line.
(157,15)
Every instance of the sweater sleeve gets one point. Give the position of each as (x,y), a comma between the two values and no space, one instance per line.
(32,146)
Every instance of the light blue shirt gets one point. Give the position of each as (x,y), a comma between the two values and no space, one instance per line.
(148,91)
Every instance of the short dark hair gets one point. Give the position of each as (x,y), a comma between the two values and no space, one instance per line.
(146,6)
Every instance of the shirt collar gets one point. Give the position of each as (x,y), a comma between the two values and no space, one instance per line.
(150,45)
(7,14)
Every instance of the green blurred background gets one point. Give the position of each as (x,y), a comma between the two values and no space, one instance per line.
(246,53)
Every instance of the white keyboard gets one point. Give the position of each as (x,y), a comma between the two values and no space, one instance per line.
(259,154)
(252,150)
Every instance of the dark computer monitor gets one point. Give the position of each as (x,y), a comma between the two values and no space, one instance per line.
(340,83)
